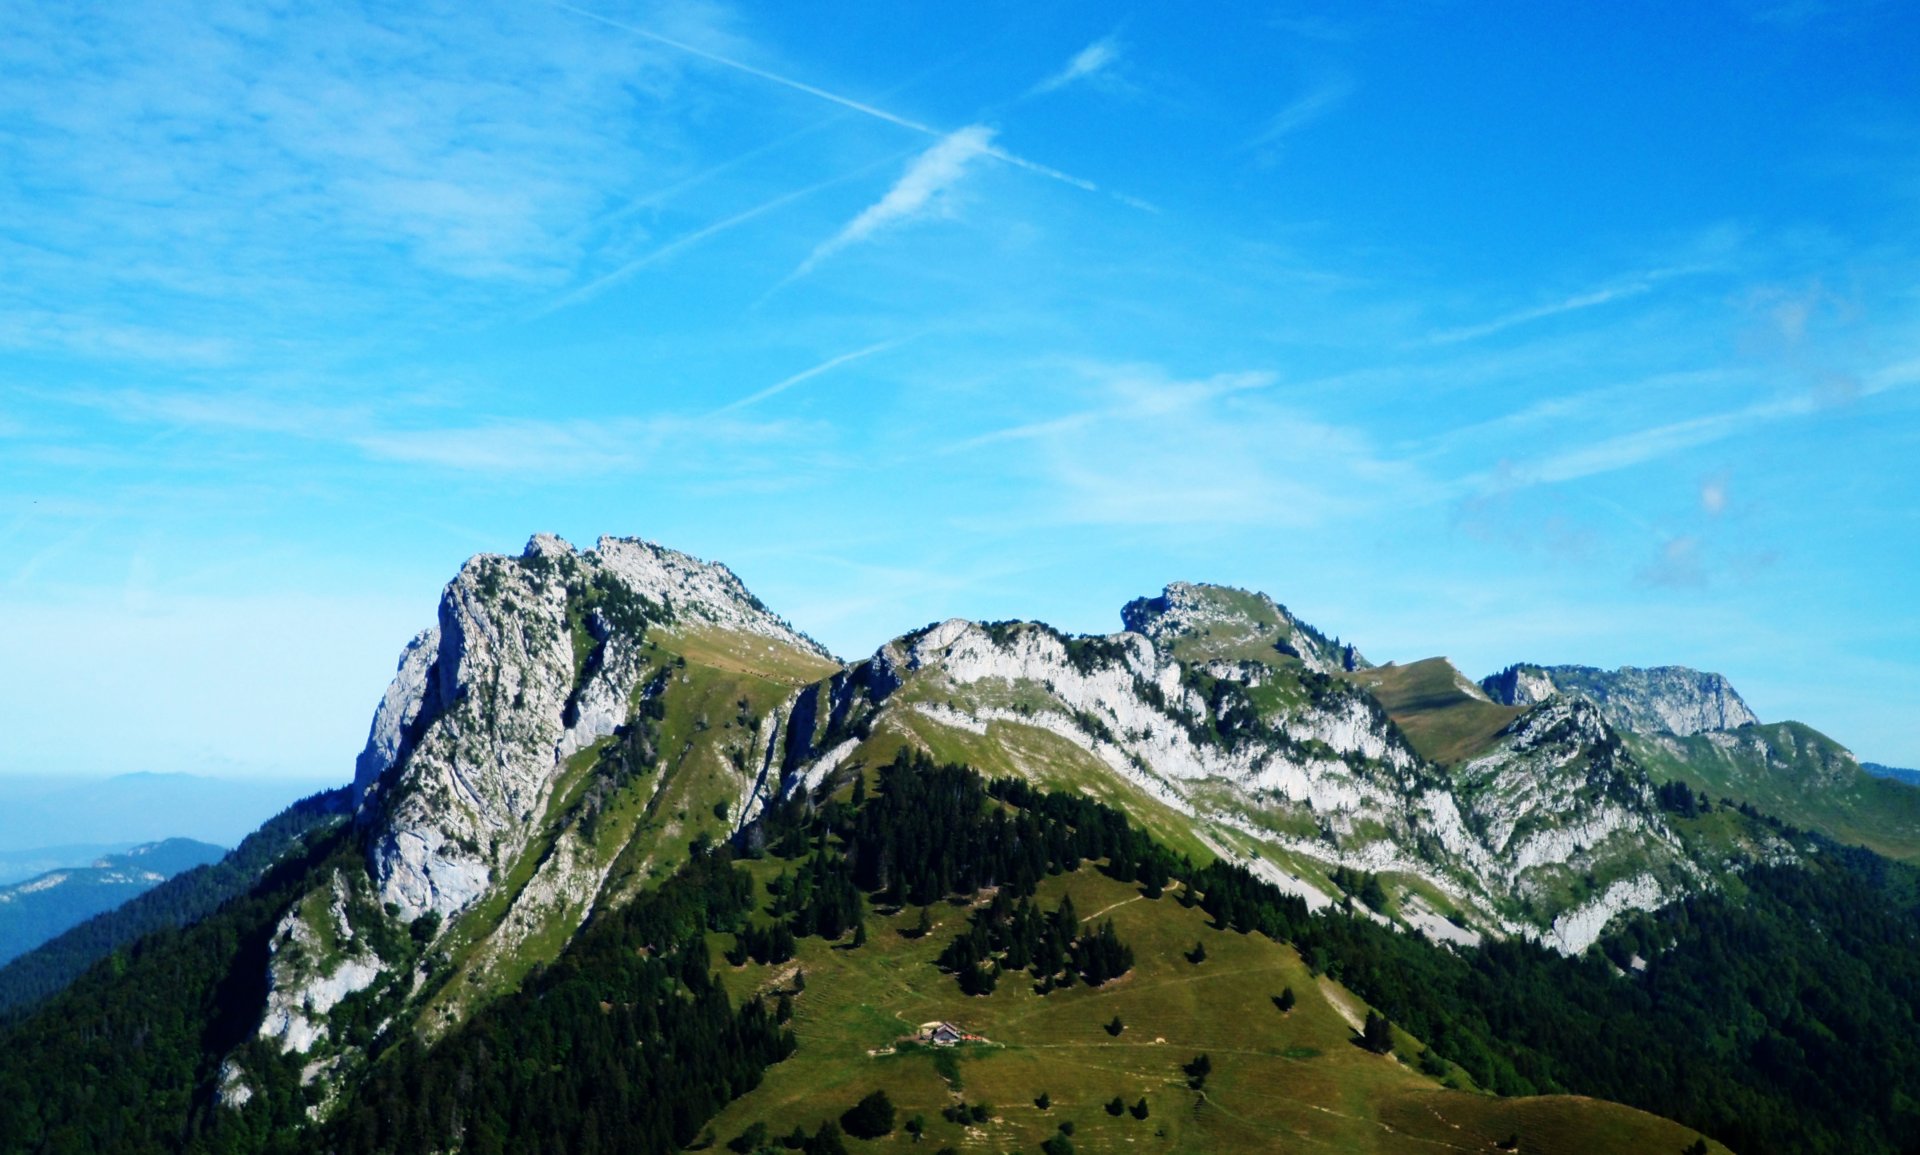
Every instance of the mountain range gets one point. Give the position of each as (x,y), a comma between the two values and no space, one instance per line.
(606,776)
(38,909)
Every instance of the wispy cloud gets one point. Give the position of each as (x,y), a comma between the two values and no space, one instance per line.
(1155,449)
(827,366)
(919,192)
(1643,445)
(257,174)
(1668,438)
(831,97)
(1326,94)
(225,411)
(1593,298)
(529,447)
(1678,564)
(117,340)
(410,434)
(1713,495)
(1091,61)
(697,237)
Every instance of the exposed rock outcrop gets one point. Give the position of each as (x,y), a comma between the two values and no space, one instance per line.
(1207,619)
(534,659)
(1673,699)
(1199,708)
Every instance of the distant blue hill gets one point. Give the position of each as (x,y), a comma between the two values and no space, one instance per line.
(47,810)
(18,865)
(1910,777)
(43,907)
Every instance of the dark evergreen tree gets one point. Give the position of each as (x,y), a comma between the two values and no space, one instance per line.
(826,1140)
(870,1118)
(1377,1034)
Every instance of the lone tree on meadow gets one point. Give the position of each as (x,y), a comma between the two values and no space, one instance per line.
(870,1118)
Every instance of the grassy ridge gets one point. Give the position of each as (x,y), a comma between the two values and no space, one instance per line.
(1795,773)
(1442,722)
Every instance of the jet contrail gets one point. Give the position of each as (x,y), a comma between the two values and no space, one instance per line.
(826,366)
(821,93)
(594,287)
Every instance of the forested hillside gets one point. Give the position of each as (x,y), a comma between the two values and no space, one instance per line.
(1777,1019)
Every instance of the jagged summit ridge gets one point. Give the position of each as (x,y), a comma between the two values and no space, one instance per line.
(1222,621)
(1671,699)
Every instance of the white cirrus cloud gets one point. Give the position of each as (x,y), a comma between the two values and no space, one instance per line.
(1090,61)
(1327,94)
(920,191)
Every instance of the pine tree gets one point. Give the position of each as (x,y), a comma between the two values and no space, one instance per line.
(1377,1035)
(870,1118)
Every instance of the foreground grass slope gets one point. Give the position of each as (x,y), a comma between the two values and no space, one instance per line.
(1279,1081)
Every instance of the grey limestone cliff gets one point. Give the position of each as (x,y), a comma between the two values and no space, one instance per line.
(1669,699)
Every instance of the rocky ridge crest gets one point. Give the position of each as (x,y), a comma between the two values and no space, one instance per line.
(1214,714)
(1674,699)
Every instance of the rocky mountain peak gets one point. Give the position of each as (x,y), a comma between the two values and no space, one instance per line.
(1198,621)
(533,659)
(1661,699)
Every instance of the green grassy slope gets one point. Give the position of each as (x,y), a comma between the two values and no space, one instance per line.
(1279,1081)
(1796,774)
(1443,722)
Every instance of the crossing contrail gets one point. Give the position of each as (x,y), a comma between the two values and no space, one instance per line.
(817,92)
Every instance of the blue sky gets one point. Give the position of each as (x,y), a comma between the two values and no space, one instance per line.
(1563,333)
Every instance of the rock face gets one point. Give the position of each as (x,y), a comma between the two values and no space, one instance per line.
(1670,699)
(510,726)
(318,960)
(1570,824)
(533,659)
